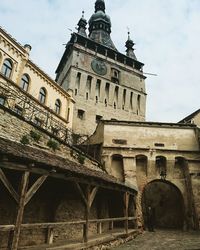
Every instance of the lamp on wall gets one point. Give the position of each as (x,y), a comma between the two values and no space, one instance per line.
(163,174)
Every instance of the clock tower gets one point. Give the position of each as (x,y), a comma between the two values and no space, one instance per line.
(105,83)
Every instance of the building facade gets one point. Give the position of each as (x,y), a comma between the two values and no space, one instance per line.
(104,83)
(55,194)
(162,160)
(28,91)
(51,193)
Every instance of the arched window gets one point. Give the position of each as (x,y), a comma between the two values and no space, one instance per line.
(138,104)
(57,106)
(117,167)
(0,57)
(24,84)
(42,95)
(7,68)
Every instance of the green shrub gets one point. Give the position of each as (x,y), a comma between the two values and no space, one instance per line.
(81,159)
(25,140)
(35,136)
(53,144)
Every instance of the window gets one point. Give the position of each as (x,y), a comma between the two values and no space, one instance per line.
(106,104)
(78,80)
(131,101)
(0,57)
(18,110)
(25,82)
(42,95)
(81,114)
(98,86)
(68,113)
(2,100)
(58,106)
(115,75)
(124,99)
(159,144)
(88,86)
(7,68)
(98,118)
(138,104)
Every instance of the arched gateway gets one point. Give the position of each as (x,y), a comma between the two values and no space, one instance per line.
(168,203)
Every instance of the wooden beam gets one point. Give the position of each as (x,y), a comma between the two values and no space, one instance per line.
(81,193)
(35,188)
(20,210)
(9,186)
(79,179)
(92,196)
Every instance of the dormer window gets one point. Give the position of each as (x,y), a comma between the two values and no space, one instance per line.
(115,75)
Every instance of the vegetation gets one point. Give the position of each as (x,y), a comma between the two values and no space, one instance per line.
(35,136)
(81,159)
(25,140)
(53,144)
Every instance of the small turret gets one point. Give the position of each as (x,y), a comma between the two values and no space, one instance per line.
(130,50)
(82,25)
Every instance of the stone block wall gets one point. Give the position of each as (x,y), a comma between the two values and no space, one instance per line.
(14,127)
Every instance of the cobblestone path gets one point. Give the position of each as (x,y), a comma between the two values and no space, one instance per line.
(164,240)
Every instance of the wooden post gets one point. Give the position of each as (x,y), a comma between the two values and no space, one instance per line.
(20,211)
(126,203)
(99,228)
(49,239)
(111,225)
(87,212)
(87,199)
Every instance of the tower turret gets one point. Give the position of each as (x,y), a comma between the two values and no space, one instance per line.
(129,45)
(82,26)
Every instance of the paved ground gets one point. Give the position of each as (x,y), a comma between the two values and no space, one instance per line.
(164,240)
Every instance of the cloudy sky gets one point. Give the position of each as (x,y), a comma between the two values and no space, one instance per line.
(166,33)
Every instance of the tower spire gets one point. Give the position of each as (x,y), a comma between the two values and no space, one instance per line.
(82,25)
(100,25)
(129,45)
(100,5)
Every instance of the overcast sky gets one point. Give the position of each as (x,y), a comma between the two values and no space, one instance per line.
(166,33)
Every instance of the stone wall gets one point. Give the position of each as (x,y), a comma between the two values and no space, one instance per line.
(142,146)
(15,128)
(98,96)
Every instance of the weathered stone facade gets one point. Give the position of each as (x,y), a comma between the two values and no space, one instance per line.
(104,83)
(53,193)
(154,152)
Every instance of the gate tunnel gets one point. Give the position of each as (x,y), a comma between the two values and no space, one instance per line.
(168,204)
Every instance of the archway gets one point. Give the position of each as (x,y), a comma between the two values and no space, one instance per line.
(168,203)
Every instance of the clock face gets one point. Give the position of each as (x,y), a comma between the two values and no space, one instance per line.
(99,67)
